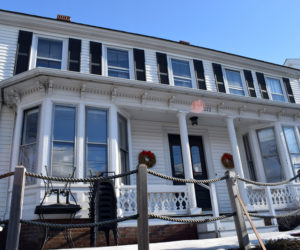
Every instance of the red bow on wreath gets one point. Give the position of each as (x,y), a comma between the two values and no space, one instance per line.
(148,158)
(227,160)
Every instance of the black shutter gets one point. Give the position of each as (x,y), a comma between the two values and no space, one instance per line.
(95,58)
(262,85)
(139,64)
(23,52)
(74,54)
(199,73)
(219,77)
(162,67)
(249,83)
(288,89)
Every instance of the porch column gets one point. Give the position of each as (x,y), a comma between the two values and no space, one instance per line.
(187,161)
(113,142)
(236,156)
(283,151)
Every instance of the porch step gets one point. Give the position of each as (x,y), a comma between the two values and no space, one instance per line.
(228,228)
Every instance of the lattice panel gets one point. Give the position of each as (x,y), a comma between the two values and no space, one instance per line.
(257,198)
(282,197)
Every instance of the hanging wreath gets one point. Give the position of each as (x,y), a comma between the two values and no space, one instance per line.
(227,160)
(148,158)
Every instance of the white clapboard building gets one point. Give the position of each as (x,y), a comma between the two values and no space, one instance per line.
(90,99)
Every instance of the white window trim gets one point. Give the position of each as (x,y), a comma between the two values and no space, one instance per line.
(33,54)
(224,68)
(281,84)
(170,70)
(105,64)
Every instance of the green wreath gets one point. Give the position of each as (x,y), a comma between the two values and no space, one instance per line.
(147,158)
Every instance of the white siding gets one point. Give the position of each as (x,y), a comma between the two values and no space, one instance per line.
(6,134)
(209,76)
(85,56)
(8,45)
(151,66)
(295,85)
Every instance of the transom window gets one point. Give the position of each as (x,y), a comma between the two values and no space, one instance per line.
(49,53)
(118,63)
(96,142)
(269,153)
(181,73)
(275,89)
(234,80)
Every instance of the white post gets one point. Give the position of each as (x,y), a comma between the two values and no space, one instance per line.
(215,207)
(113,139)
(236,155)
(187,161)
(271,205)
(283,152)
(80,142)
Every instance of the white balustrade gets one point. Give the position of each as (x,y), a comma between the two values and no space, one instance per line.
(162,199)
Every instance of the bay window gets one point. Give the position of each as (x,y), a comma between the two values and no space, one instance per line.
(234,82)
(63,141)
(28,145)
(181,73)
(275,89)
(269,153)
(96,142)
(123,147)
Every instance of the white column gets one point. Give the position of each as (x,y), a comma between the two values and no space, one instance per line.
(187,161)
(283,152)
(113,141)
(256,154)
(80,166)
(45,136)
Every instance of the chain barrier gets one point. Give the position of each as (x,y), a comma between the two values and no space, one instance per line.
(268,184)
(295,212)
(185,180)
(95,224)
(212,219)
(69,179)
(2,176)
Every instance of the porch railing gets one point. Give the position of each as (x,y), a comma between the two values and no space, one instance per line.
(166,199)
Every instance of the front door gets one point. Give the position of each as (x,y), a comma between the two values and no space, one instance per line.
(198,164)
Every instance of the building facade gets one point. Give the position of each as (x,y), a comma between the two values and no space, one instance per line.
(83,99)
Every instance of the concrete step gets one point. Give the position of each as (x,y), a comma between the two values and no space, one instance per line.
(265,229)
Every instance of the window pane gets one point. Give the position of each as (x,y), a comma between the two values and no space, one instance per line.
(234,78)
(64,123)
(62,159)
(236,92)
(291,140)
(96,159)
(123,137)
(270,155)
(196,161)
(27,157)
(182,82)
(30,126)
(274,85)
(249,157)
(181,68)
(117,58)
(48,64)
(177,159)
(49,48)
(278,98)
(118,73)
(96,125)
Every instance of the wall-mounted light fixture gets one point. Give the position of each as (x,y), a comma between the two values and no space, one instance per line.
(194,120)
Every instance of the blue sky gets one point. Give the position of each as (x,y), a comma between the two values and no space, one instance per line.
(263,29)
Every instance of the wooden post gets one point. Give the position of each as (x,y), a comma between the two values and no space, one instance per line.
(239,220)
(14,225)
(142,206)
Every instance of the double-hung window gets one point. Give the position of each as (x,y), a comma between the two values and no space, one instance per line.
(275,89)
(181,73)
(63,141)
(269,153)
(48,52)
(234,81)
(96,142)
(123,147)
(118,63)
(28,146)
(293,147)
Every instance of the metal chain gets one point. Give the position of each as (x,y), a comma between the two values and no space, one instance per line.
(92,179)
(268,184)
(2,176)
(186,180)
(212,219)
(276,216)
(95,224)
